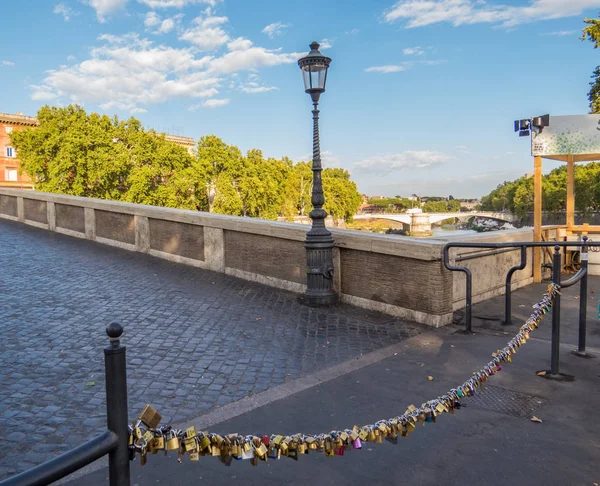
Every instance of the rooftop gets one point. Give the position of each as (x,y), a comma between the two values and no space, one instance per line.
(18,119)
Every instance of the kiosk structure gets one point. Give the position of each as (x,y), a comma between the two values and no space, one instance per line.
(567,139)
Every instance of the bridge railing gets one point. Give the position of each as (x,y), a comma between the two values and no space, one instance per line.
(498,248)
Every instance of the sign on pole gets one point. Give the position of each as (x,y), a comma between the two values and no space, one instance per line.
(577,135)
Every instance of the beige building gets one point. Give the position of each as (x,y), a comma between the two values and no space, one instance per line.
(187,142)
(9,162)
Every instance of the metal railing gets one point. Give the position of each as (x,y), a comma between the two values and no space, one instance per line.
(113,442)
(498,248)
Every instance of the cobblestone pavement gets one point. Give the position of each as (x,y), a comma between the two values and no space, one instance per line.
(195,339)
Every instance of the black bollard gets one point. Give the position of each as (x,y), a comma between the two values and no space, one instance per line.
(116,405)
(556,268)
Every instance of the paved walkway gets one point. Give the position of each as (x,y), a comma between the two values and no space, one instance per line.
(490,441)
(196,340)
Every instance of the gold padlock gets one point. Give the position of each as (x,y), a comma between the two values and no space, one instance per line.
(194,456)
(150,417)
(172,444)
(191,432)
(204,443)
(190,444)
(159,443)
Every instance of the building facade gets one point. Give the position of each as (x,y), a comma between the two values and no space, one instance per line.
(187,142)
(9,161)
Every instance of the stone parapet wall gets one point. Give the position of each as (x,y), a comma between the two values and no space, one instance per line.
(400,276)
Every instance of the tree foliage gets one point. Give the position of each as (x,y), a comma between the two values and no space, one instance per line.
(91,155)
(517,196)
(592,33)
(442,206)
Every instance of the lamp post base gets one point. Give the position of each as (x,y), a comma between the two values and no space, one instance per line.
(319,300)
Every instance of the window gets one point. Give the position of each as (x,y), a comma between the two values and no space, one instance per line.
(10,152)
(8,129)
(10,175)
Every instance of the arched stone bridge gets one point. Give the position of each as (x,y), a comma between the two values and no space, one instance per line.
(419,224)
(437,217)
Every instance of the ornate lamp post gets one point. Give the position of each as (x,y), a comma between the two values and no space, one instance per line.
(319,242)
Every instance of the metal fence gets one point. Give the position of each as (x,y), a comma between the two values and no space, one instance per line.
(497,248)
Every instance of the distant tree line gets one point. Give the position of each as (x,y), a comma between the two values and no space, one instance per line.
(433,204)
(92,155)
(517,196)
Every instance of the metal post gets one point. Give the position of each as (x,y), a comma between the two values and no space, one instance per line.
(319,242)
(469,300)
(556,268)
(583,298)
(116,405)
(508,290)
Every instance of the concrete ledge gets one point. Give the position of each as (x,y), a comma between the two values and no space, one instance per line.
(400,312)
(266,280)
(36,224)
(179,259)
(118,244)
(69,232)
(6,216)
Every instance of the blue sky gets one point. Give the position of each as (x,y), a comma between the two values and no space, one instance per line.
(421,94)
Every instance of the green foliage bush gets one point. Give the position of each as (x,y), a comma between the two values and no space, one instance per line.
(93,155)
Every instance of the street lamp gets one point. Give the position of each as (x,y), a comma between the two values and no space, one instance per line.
(319,242)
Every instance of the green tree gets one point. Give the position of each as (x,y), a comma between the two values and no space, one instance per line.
(592,33)
(91,155)
(435,207)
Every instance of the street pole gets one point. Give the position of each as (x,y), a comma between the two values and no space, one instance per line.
(318,242)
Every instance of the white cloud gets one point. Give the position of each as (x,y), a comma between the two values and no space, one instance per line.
(256,89)
(253,85)
(413,51)
(411,159)
(176,3)
(328,159)
(206,32)
(251,58)
(152,19)
(105,7)
(403,66)
(239,44)
(214,103)
(42,93)
(65,11)
(162,26)
(274,29)
(7,64)
(71,58)
(326,44)
(561,33)
(129,72)
(133,111)
(418,13)
(390,68)
(352,31)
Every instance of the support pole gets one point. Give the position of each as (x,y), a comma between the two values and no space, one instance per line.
(554,359)
(508,289)
(570,193)
(583,298)
(537,218)
(116,405)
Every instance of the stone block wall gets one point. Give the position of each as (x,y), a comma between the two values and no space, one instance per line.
(400,276)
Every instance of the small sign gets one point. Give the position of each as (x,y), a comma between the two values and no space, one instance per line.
(584,257)
(567,135)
